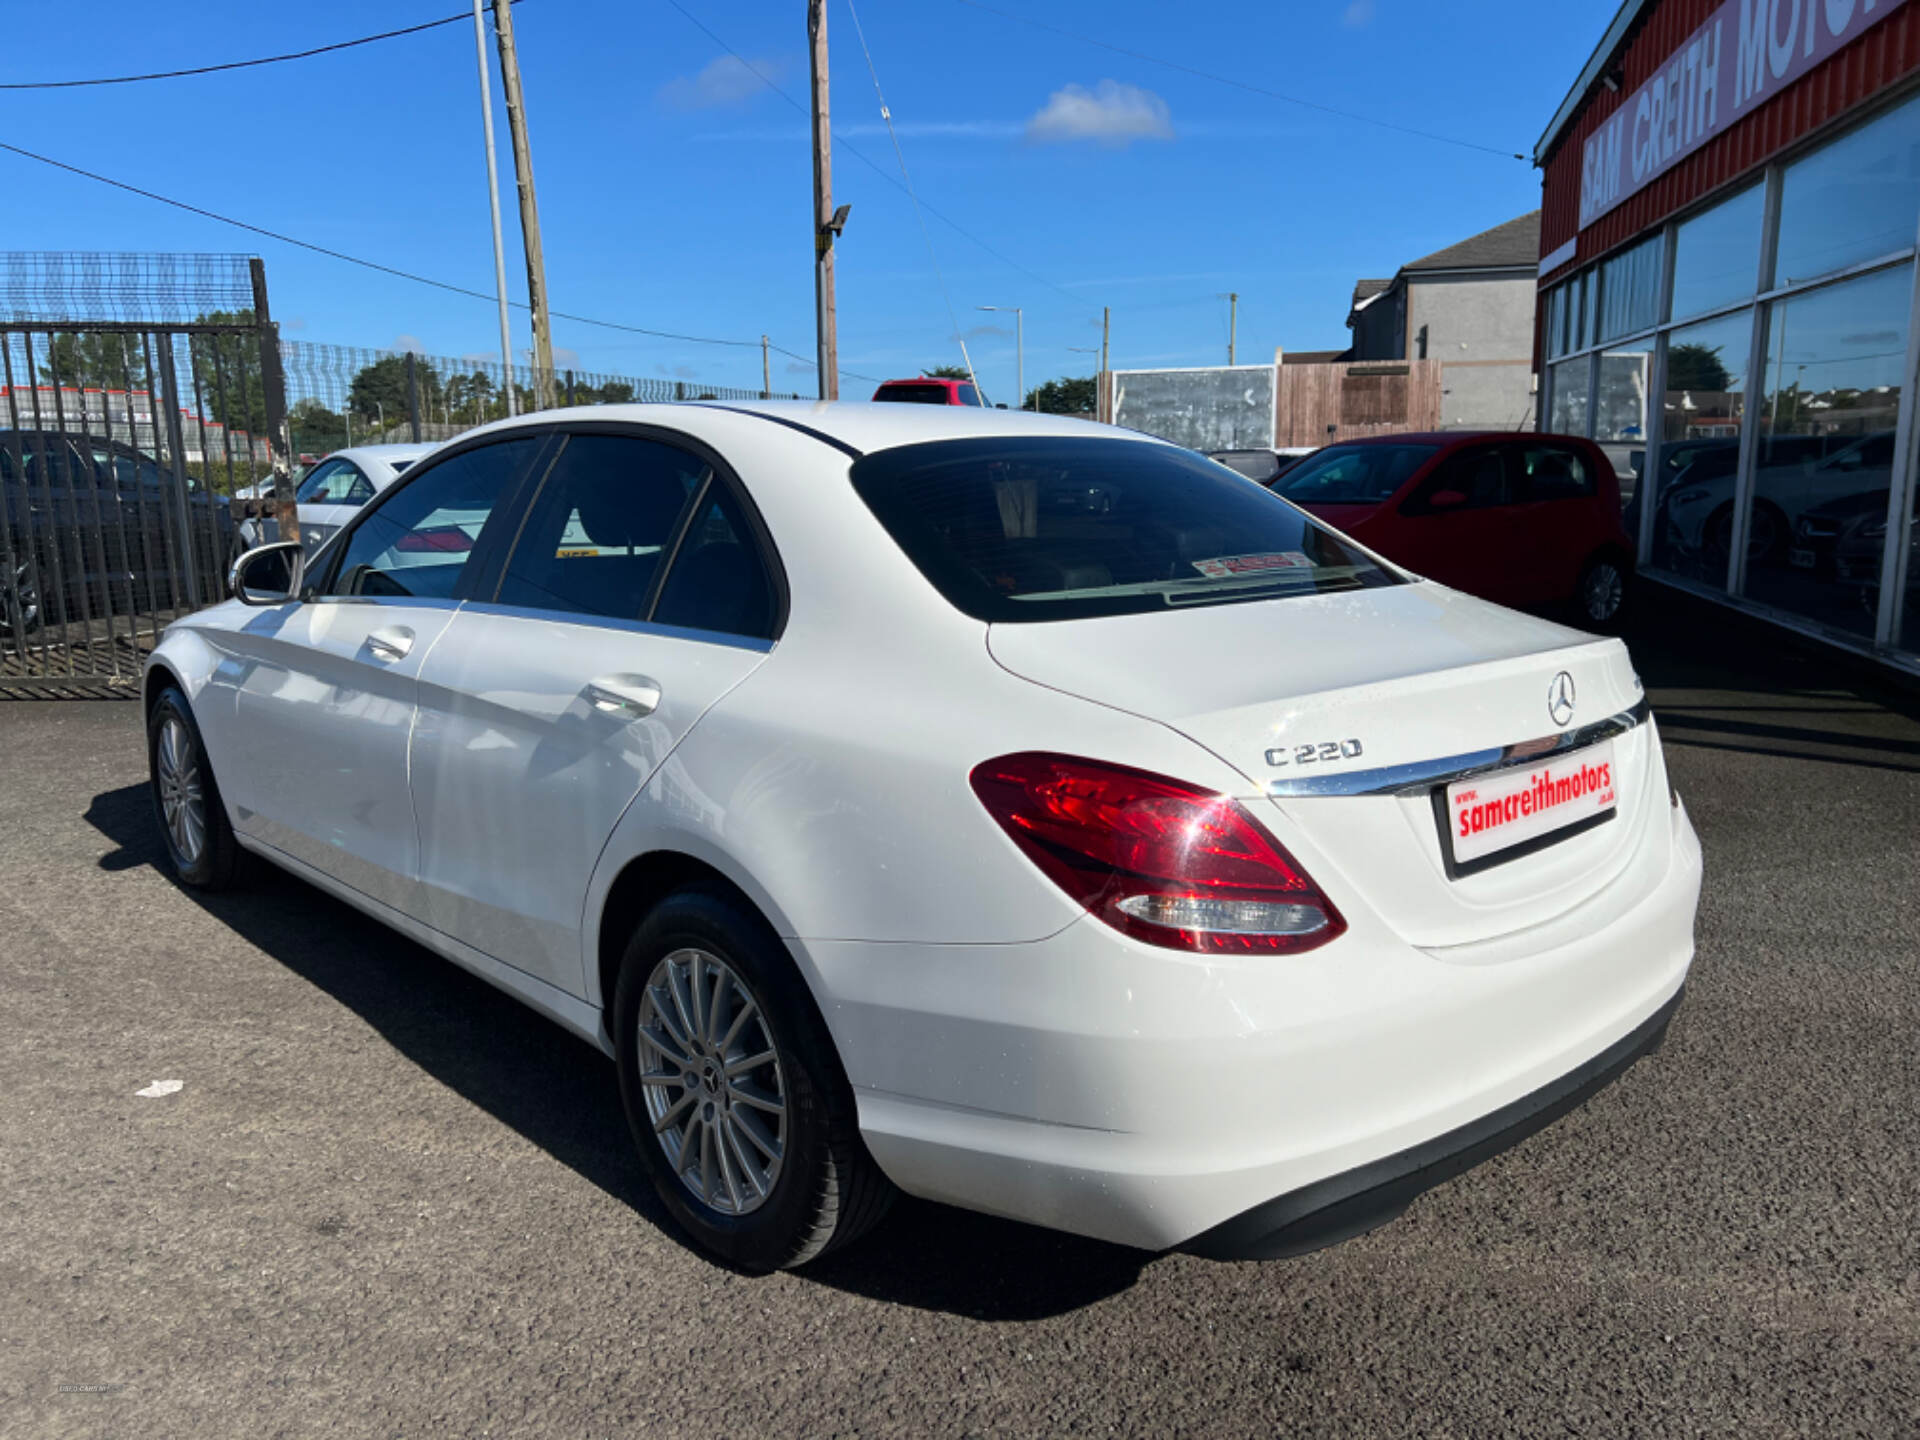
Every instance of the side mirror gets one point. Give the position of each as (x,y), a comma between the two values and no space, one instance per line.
(1446,500)
(268,574)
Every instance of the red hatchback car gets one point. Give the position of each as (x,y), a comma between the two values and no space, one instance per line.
(929,390)
(1513,517)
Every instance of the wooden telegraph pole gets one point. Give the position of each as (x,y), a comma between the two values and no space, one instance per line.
(543,396)
(827,222)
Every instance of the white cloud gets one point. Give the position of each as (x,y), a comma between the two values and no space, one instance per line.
(796,367)
(988,332)
(725,81)
(403,343)
(1111,113)
(1358,14)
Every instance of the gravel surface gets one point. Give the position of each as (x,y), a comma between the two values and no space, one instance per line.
(387,1201)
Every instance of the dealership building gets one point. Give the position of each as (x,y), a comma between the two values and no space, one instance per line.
(1727,301)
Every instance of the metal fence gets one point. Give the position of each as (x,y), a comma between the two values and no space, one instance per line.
(148,405)
(339,395)
(138,394)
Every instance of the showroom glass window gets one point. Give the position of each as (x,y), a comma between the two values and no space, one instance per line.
(1701,413)
(1851,201)
(1827,410)
(1716,254)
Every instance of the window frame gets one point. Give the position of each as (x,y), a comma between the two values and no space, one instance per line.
(719,473)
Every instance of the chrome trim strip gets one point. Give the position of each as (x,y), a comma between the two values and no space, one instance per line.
(631,627)
(1416,777)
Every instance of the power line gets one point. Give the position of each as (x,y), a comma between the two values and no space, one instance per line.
(886,114)
(375,265)
(1243,85)
(237,64)
(870,163)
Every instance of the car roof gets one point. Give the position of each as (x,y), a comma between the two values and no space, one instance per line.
(859,426)
(1455,437)
(386,454)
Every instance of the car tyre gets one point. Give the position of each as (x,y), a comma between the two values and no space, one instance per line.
(186,798)
(1600,594)
(692,973)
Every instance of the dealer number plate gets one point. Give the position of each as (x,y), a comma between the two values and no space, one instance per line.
(1492,813)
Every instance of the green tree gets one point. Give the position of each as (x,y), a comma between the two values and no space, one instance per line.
(1697,367)
(947,372)
(614,392)
(223,380)
(378,394)
(95,360)
(1075,395)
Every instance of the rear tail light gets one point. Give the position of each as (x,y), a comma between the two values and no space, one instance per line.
(1163,861)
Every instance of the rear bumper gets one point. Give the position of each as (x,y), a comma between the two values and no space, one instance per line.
(1343,1206)
(1099,1086)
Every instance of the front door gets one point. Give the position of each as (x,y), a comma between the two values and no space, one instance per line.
(325,689)
(1558,511)
(636,596)
(1457,528)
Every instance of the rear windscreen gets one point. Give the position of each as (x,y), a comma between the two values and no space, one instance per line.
(913,394)
(1062,528)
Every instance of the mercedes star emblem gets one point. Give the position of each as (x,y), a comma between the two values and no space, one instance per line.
(1560,699)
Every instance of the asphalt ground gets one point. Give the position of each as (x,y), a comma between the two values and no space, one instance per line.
(387,1201)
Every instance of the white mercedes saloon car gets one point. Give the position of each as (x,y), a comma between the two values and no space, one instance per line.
(1021,813)
(332,492)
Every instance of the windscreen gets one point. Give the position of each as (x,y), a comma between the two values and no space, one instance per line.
(1013,530)
(1352,474)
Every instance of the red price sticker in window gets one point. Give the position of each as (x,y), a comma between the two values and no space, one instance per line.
(1227,565)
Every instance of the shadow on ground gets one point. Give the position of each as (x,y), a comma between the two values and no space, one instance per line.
(560,1093)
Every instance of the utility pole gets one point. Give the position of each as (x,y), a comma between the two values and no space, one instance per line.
(766,371)
(827,222)
(543,397)
(1233,313)
(1106,384)
(493,197)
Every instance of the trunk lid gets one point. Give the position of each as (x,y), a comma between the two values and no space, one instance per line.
(1407,676)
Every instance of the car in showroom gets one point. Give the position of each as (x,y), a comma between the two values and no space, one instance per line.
(1793,475)
(332,491)
(1023,814)
(1521,519)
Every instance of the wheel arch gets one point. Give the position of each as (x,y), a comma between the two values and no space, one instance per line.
(641,883)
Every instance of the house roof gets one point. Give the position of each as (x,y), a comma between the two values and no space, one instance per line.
(1367,289)
(1516,243)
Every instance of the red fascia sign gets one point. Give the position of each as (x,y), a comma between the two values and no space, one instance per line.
(1746,53)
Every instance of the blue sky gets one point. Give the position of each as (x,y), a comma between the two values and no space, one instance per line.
(675,188)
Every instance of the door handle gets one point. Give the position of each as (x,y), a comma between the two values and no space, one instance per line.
(632,695)
(390,642)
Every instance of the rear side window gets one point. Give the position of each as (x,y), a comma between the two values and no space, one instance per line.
(1013,530)
(1553,472)
(1479,476)
(597,534)
(1353,474)
(719,580)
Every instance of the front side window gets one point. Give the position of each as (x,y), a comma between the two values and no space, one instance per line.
(1013,531)
(597,532)
(421,537)
(1475,479)
(968,395)
(1353,474)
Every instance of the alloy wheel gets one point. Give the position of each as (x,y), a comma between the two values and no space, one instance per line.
(182,798)
(1605,588)
(715,1087)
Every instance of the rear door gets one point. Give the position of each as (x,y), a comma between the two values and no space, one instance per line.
(1458,526)
(1559,516)
(638,592)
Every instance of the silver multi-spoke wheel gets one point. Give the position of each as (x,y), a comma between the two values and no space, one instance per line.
(1606,588)
(715,1089)
(182,799)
